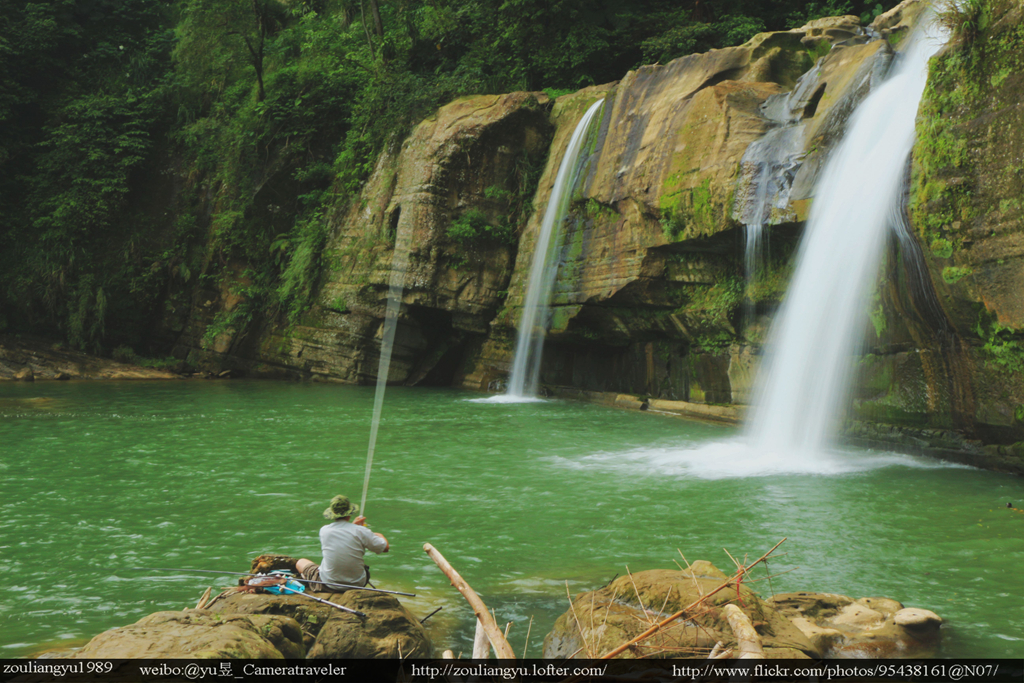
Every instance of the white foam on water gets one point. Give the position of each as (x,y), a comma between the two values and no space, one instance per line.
(506,398)
(738,459)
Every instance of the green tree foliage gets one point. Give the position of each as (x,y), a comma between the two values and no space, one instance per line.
(151,147)
(82,94)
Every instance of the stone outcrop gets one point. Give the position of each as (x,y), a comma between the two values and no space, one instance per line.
(389,631)
(469,164)
(601,620)
(967,212)
(199,634)
(647,290)
(263,626)
(790,625)
(843,628)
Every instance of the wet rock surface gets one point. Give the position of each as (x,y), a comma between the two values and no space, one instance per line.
(841,627)
(200,634)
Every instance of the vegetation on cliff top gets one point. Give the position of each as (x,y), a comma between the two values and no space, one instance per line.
(150,144)
(967,176)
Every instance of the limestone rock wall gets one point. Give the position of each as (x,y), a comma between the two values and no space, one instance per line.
(649,290)
(474,155)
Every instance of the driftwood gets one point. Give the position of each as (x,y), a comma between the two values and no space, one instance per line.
(719,651)
(748,643)
(481,644)
(206,596)
(501,647)
(733,580)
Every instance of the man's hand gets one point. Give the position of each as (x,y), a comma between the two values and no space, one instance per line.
(360,520)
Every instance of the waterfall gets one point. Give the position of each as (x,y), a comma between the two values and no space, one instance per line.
(810,353)
(522,383)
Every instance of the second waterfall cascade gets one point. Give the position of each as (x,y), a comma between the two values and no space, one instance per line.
(522,383)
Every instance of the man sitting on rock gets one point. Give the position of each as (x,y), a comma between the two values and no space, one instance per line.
(343,543)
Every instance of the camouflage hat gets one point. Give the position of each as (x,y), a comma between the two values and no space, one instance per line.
(340,507)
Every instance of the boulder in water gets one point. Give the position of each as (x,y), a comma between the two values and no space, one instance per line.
(842,627)
(606,618)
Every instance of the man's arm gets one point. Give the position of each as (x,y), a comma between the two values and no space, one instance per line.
(361,521)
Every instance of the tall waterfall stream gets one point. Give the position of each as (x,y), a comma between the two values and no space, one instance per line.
(809,357)
(522,383)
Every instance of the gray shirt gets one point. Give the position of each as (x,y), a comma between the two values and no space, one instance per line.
(343,545)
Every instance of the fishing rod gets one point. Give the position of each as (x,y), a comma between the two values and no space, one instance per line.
(280,581)
(322,583)
(396,283)
(326,602)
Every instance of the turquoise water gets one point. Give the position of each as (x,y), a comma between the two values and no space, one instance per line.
(522,499)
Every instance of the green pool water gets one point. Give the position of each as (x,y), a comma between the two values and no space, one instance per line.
(527,501)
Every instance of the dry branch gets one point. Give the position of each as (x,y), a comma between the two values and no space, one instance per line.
(748,643)
(206,596)
(501,647)
(668,620)
(579,626)
(481,643)
(719,652)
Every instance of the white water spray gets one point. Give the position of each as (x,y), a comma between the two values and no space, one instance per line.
(806,372)
(522,383)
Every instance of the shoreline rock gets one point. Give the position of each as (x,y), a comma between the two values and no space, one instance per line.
(842,628)
(798,625)
(801,625)
(28,359)
(263,626)
(199,634)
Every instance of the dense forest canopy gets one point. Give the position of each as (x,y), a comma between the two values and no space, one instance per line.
(264,116)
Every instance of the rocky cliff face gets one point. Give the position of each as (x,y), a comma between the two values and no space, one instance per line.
(955,356)
(469,167)
(650,285)
(650,297)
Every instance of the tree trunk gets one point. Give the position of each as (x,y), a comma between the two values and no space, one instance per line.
(366,30)
(378,25)
(501,647)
